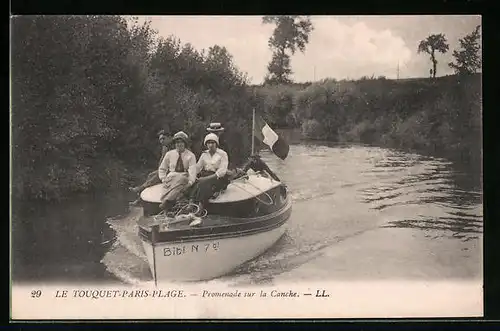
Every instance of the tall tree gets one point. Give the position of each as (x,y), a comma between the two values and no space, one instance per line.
(291,33)
(468,58)
(433,43)
(89,94)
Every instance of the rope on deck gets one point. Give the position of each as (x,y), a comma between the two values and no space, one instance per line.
(257,197)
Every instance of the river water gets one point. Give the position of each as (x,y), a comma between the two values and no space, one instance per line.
(359,213)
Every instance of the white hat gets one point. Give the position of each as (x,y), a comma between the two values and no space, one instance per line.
(211,137)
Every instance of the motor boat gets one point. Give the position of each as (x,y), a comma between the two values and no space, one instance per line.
(237,225)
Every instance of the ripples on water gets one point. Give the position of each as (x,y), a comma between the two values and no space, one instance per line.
(339,193)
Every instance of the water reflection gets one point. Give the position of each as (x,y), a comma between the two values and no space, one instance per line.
(426,183)
(66,239)
(456,225)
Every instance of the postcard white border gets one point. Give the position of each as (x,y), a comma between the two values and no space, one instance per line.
(357,299)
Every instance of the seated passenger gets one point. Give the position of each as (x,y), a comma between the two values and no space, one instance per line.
(212,171)
(216,128)
(177,171)
(153,178)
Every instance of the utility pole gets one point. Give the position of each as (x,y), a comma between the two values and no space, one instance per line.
(398,69)
(314,73)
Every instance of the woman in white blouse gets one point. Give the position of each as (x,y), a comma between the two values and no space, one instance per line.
(214,160)
(211,169)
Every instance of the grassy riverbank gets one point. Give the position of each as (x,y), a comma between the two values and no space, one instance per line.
(440,117)
(90,93)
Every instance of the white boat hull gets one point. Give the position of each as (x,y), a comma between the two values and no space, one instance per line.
(207,259)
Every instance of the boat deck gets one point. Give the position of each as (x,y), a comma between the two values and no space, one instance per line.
(209,221)
(211,226)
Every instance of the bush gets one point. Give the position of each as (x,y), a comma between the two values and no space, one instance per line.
(313,129)
(89,94)
(440,116)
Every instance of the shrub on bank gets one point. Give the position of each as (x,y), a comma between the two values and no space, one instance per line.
(441,116)
(90,93)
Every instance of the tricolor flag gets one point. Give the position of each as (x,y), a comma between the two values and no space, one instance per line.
(267,135)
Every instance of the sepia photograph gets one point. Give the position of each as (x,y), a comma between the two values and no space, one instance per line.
(246,166)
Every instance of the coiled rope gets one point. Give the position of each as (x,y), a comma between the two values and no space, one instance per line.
(185,205)
(162,217)
(190,204)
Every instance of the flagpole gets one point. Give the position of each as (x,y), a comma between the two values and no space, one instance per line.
(253,130)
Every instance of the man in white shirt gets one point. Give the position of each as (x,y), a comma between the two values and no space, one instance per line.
(177,170)
(216,128)
(211,169)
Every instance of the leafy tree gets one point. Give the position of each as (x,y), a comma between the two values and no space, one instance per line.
(89,94)
(433,43)
(468,58)
(220,65)
(71,88)
(279,69)
(291,33)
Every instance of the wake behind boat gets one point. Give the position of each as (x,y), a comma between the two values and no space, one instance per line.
(237,225)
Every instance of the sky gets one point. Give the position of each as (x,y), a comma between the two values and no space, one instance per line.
(340,47)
